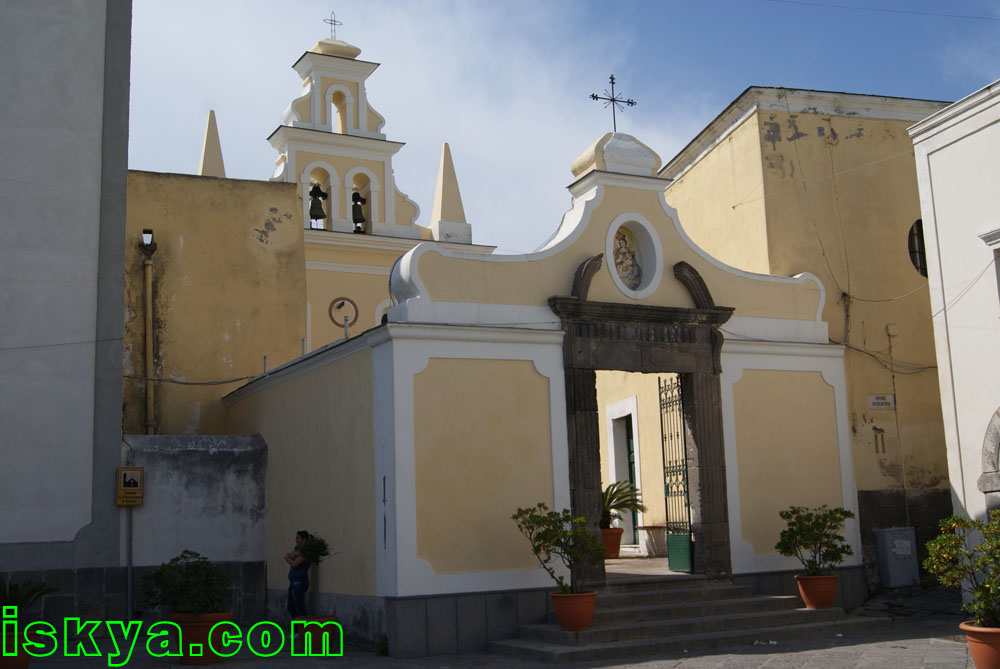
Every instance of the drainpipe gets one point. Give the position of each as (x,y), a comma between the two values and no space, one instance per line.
(148,247)
(892,330)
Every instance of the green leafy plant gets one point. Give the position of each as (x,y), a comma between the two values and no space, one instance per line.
(814,537)
(555,534)
(973,568)
(23,595)
(314,549)
(619,496)
(189,583)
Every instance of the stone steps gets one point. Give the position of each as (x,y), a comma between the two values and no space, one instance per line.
(667,616)
(693,609)
(550,652)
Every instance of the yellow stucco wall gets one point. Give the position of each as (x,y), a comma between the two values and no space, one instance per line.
(840,195)
(229,277)
(320,469)
(324,287)
(615,386)
(407,212)
(862,214)
(329,275)
(786,447)
(482,448)
(734,168)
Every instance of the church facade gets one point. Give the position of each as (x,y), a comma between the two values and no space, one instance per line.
(412,389)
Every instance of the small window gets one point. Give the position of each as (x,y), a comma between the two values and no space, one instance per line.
(918,256)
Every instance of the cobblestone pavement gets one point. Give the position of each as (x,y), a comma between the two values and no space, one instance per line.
(924,634)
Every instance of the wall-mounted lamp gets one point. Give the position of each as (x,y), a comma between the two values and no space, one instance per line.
(147,246)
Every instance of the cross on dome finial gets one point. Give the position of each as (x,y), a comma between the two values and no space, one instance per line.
(333,23)
(613,101)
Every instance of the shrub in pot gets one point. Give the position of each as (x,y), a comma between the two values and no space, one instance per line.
(22,596)
(314,549)
(814,537)
(193,591)
(570,539)
(618,496)
(974,568)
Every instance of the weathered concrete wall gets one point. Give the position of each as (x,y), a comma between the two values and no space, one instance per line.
(228,290)
(203,493)
(61,270)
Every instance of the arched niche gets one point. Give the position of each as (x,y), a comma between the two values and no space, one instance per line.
(323,174)
(367,184)
(989,480)
(339,109)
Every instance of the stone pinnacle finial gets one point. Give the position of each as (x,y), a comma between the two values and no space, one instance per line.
(448,216)
(211,151)
(447,198)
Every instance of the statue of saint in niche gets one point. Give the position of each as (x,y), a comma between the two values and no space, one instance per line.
(626,261)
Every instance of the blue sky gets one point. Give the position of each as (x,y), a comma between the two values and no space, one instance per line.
(506,83)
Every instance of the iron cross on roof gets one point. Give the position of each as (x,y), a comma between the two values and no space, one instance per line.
(613,101)
(333,23)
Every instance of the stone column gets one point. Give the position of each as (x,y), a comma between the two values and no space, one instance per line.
(584,456)
(707,473)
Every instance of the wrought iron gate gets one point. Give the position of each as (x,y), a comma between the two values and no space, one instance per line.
(675,475)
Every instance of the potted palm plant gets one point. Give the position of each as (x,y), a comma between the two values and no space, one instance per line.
(22,596)
(618,496)
(193,590)
(975,569)
(555,534)
(814,537)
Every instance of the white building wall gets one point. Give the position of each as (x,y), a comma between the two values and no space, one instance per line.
(957,166)
(52,114)
(64,135)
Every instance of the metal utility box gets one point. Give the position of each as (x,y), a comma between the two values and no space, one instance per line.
(897,557)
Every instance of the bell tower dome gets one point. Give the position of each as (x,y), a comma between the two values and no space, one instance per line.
(331,138)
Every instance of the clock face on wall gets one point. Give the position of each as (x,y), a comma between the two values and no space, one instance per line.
(341,308)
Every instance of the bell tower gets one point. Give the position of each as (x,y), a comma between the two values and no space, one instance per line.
(331,143)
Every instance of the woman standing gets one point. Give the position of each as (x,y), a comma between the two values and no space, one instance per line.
(298,577)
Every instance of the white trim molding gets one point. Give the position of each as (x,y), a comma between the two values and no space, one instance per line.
(350,269)
(626,407)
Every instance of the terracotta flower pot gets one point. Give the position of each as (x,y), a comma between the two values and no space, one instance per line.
(194,630)
(315,635)
(984,645)
(22,659)
(19,661)
(574,610)
(817,592)
(612,537)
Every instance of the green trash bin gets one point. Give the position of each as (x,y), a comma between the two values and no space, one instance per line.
(679,552)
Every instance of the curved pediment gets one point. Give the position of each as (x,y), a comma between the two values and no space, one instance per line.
(623,217)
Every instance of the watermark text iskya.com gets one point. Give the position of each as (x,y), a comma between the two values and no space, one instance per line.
(78,638)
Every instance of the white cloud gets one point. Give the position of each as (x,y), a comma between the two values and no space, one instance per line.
(506,84)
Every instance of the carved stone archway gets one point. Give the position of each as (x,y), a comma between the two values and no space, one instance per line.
(648,339)
(989,480)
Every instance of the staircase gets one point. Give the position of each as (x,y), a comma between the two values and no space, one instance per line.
(675,615)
